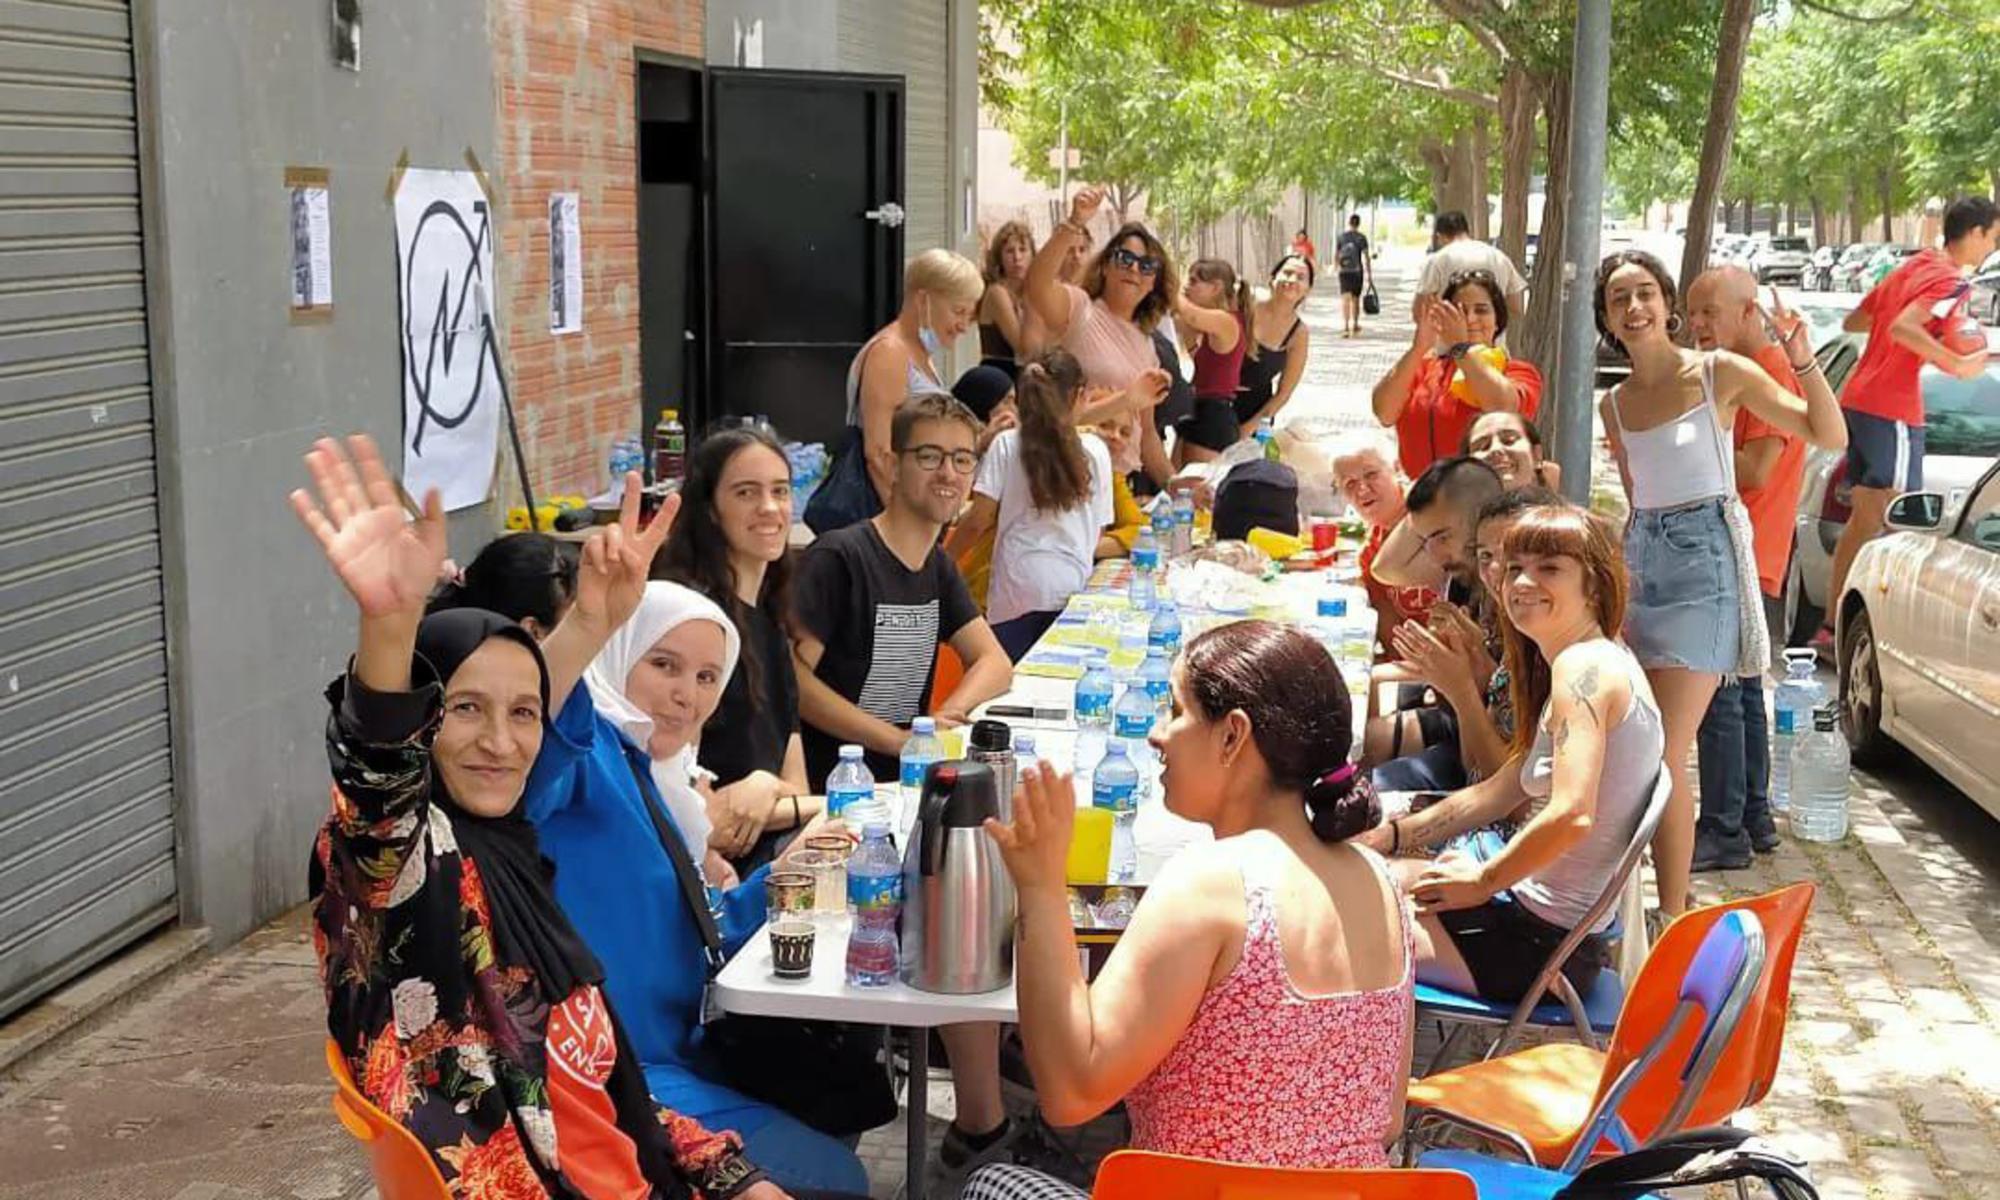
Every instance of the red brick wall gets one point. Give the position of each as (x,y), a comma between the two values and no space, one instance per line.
(565,71)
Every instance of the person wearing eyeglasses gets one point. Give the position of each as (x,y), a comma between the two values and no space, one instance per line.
(1108,322)
(1453,372)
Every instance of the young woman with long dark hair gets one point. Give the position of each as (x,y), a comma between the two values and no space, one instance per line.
(1045,492)
(730,544)
(1213,317)
(1280,345)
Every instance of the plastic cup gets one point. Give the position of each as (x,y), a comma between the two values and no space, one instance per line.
(1326,536)
(788,894)
(792,948)
(829,875)
(1090,846)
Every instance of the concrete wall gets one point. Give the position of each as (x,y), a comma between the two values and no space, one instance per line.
(231,95)
(792,35)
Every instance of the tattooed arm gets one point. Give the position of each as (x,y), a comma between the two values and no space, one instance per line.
(1589,694)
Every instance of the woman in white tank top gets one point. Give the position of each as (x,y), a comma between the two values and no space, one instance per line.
(1695,615)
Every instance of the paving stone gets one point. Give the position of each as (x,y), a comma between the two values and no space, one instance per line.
(1941,1006)
(1904,1174)
(1943,1105)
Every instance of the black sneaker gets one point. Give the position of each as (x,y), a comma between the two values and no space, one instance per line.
(1764,841)
(1717,854)
(958,1157)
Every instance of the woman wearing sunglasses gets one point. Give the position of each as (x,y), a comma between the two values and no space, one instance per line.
(1108,322)
(1453,371)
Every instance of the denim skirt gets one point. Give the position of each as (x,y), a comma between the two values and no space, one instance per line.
(1684,609)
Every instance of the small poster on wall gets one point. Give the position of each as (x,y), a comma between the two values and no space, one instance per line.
(565,264)
(311,228)
(444,297)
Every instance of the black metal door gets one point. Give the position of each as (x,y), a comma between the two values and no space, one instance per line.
(805,239)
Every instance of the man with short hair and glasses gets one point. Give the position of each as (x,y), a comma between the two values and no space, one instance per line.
(872,602)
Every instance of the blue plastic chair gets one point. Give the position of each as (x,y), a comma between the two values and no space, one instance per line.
(1716,988)
(1593,1014)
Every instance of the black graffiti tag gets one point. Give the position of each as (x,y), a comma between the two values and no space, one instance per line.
(437,367)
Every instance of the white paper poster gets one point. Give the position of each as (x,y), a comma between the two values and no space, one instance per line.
(312,243)
(565,264)
(451,386)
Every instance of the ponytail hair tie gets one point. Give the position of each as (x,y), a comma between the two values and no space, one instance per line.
(1339,775)
(1341,803)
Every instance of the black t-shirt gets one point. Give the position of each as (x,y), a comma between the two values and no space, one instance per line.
(1351,251)
(881,624)
(749,733)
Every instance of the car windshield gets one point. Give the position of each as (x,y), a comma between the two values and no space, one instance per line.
(1796,244)
(1962,416)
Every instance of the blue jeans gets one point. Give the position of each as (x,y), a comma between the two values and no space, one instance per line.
(797,1157)
(1735,763)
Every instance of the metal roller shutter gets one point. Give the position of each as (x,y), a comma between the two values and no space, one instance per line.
(86,790)
(911,38)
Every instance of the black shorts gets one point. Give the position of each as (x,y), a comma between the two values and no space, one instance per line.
(1350,283)
(1884,454)
(1212,425)
(1504,946)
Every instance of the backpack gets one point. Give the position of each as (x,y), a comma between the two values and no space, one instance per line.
(1350,251)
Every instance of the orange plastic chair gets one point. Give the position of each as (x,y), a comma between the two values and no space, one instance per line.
(949,671)
(402,1167)
(1144,1175)
(1537,1100)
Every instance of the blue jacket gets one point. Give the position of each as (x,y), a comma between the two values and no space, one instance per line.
(619,889)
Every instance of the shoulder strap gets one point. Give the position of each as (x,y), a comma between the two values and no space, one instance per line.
(1401,903)
(1611,398)
(693,890)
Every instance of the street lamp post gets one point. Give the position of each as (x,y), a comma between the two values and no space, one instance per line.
(1583,217)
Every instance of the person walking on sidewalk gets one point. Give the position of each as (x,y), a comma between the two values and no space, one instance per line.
(1733,746)
(1357,274)
(464,1002)
(1904,316)
(1457,253)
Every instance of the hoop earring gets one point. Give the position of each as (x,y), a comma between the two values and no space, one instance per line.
(1674,324)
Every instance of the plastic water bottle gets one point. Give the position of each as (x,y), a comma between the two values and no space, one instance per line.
(1115,787)
(1145,561)
(1330,626)
(1792,709)
(875,893)
(1267,442)
(1093,696)
(849,783)
(1820,769)
(1163,528)
(1131,723)
(1164,633)
(1156,679)
(919,752)
(1183,508)
(1024,753)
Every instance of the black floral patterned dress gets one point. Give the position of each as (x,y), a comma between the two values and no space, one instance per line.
(515,1094)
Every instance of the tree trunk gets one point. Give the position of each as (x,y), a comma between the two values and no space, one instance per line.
(1857,222)
(1719,134)
(1540,327)
(1888,204)
(1750,212)
(1517,160)
(1819,221)
(1477,176)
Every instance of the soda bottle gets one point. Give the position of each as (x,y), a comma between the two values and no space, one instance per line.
(1820,769)
(1164,633)
(669,448)
(1115,788)
(919,752)
(849,783)
(1792,713)
(875,893)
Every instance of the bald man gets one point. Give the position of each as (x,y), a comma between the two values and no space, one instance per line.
(1723,313)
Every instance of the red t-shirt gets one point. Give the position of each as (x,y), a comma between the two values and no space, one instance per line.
(1773,505)
(1404,603)
(1434,421)
(1884,382)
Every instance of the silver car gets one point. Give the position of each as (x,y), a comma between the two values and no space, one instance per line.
(1919,639)
(1961,436)
(1781,258)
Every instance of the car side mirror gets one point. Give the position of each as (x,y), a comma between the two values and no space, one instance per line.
(1915,510)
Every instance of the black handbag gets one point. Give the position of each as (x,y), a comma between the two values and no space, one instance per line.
(1691,1158)
(1371,302)
(825,1073)
(847,496)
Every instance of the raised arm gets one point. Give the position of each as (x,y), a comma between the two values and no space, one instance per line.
(1044,290)
(1392,391)
(610,582)
(1817,417)
(1089,1044)
(1219,326)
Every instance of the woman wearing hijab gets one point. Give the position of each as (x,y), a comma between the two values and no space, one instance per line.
(618,801)
(463,1000)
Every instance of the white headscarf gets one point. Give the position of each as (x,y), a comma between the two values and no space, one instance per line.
(665,607)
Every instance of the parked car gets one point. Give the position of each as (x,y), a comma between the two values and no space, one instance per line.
(1883,261)
(1985,300)
(1727,248)
(1847,270)
(1780,259)
(1819,272)
(1961,436)
(1919,639)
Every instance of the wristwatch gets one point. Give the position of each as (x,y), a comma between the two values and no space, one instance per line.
(1457,350)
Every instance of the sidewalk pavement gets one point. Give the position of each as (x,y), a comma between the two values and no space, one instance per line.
(208,1084)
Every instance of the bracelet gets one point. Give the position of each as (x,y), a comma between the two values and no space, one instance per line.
(1075,228)
(1811,364)
(1395,836)
(796,819)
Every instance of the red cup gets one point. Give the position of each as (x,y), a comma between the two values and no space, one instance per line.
(1326,535)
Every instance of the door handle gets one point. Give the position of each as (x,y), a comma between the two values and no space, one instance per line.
(889,216)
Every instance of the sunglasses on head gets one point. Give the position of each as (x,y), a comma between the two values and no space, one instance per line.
(1145,264)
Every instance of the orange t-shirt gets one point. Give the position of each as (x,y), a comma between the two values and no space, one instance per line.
(1434,421)
(1773,505)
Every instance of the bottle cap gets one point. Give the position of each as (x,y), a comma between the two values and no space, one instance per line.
(875,829)
(1024,743)
(1333,606)
(923,725)
(851,750)
(670,414)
